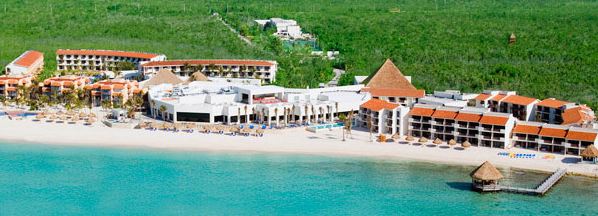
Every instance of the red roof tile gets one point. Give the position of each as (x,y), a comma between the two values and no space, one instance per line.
(552,103)
(494,120)
(420,111)
(377,105)
(444,114)
(578,115)
(526,129)
(519,100)
(553,132)
(583,136)
(468,117)
(386,92)
(28,58)
(483,97)
(206,62)
(498,97)
(107,53)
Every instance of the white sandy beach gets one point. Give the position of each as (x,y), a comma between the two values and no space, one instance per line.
(282,141)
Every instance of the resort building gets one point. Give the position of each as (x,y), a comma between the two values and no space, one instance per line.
(101,60)
(9,85)
(28,63)
(389,84)
(488,129)
(522,108)
(383,117)
(117,91)
(491,99)
(579,116)
(236,103)
(553,138)
(63,84)
(216,68)
(551,110)
(449,98)
(286,29)
(392,94)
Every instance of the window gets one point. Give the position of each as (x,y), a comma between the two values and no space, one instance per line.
(193,117)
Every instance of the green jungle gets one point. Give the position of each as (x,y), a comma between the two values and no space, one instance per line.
(442,44)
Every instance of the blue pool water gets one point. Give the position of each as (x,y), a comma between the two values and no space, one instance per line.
(54,180)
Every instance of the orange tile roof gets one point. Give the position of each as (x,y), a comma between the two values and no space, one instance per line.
(444,114)
(552,103)
(13,81)
(526,129)
(106,87)
(468,117)
(519,100)
(395,92)
(483,97)
(56,83)
(578,115)
(206,62)
(28,58)
(494,120)
(119,86)
(388,76)
(582,136)
(67,83)
(420,111)
(553,132)
(377,105)
(107,53)
(498,97)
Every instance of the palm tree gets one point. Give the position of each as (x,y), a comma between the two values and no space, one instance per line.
(21,95)
(336,106)
(3,100)
(305,113)
(293,111)
(106,104)
(263,114)
(186,68)
(246,116)
(239,114)
(276,115)
(343,118)
(130,106)
(163,112)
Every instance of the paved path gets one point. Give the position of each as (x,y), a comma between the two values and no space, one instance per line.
(337,75)
(243,38)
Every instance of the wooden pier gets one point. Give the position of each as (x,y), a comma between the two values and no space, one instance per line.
(542,188)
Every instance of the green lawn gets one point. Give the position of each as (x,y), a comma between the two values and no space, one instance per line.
(442,44)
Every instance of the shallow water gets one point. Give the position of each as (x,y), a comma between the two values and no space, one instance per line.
(56,180)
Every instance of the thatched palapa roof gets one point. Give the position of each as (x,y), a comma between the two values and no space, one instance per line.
(590,151)
(486,172)
(197,76)
(163,76)
(388,77)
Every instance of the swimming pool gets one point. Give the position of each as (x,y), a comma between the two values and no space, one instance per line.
(316,128)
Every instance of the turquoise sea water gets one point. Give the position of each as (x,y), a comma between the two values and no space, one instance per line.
(55,180)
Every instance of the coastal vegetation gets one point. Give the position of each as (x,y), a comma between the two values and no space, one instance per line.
(441,44)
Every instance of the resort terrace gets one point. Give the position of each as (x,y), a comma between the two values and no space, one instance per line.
(238,103)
